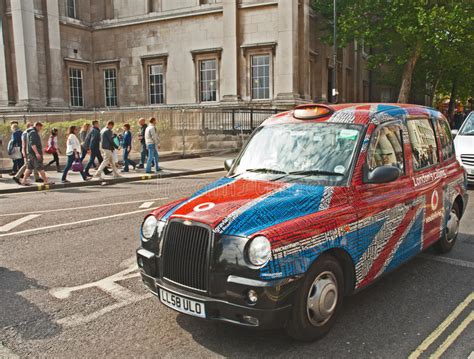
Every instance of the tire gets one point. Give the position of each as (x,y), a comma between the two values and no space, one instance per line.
(450,233)
(326,278)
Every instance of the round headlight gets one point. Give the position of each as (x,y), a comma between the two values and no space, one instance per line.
(259,251)
(149,227)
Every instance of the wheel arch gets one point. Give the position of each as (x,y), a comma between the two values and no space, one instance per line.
(347,265)
(460,203)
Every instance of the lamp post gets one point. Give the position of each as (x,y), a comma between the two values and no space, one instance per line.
(334,92)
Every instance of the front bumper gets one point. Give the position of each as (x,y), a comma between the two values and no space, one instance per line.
(271,311)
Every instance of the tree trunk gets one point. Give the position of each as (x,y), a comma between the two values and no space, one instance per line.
(452,100)
(405,87)
(434,88)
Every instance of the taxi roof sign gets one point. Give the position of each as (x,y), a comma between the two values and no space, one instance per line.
(312,111)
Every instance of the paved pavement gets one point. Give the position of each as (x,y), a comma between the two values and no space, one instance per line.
(69,288)
(172,168)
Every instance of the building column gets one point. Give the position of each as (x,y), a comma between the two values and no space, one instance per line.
(55,63)
(24,35)
(3,63)
(305,73)
(230,58)
(286,62)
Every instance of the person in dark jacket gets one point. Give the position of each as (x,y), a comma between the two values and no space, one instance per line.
(92,144)
(141,137)
(127,147)
(16,156)
(108,146)
(34,150)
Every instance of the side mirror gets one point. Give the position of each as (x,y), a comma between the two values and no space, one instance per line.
(454,132)
(383,174)
(228,164)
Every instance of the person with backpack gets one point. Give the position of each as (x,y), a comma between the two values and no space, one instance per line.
(14,149)
(127,147)
(53,149)
(34,152)
(24,150)
(73,153)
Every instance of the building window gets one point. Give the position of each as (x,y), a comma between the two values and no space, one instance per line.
(208,80)
(156,84)
(75,87)
(205,2)
(260,72)
(110,87)
(71,8)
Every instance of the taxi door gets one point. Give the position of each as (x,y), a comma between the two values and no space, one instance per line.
(384,210)
(428,175)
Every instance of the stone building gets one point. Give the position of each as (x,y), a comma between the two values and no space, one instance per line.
(90,54)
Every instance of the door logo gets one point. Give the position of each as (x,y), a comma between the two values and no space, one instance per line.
(204,207)
(434,200)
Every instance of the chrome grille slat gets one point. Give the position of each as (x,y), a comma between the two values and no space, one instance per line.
(467,159)
(185,255)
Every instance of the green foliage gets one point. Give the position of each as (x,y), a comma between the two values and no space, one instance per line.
(442,30)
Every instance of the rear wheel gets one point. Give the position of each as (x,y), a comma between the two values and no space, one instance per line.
(317,301)
(450,233)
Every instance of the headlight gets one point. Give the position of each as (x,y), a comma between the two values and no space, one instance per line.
(149,227)
(259,251)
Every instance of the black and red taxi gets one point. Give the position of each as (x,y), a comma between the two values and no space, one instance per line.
(322,201)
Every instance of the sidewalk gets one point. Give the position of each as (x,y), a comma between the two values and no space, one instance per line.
(173,168)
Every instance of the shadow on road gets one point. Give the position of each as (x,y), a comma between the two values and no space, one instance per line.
(19,314)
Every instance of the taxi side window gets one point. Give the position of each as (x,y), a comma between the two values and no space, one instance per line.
(423,143)
(445,137)
(387,147)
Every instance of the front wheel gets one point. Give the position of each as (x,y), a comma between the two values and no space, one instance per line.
(317,301)
(450,233)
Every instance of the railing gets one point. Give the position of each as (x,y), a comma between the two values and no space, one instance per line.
(228,121)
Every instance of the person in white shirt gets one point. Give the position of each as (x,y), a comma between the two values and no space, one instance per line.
(152,142)
(73,153)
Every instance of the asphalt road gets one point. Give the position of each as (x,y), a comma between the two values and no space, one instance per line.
(69,288)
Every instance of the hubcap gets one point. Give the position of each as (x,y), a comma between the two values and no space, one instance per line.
(322,299)
(452,227)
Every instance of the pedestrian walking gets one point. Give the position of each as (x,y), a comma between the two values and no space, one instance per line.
(34,152)
(141,138)
(85,129)
(73,153)
(115,156)
(53,149)
(24,150)
(127,147)
(152,142)
(108,145)
(14,149)
(92,145)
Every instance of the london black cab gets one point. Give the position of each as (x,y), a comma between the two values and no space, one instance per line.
(321,202)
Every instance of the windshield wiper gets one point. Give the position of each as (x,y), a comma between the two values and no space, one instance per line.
(266,170)
(316,172)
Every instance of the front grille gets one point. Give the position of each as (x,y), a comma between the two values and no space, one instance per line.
(467,160)
(185,255)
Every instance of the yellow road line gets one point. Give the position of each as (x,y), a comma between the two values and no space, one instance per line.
(453,336)
(442,327)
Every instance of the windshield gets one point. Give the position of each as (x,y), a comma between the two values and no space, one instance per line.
(302,149)
(467,128)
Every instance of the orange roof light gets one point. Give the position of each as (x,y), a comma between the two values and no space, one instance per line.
(311,112)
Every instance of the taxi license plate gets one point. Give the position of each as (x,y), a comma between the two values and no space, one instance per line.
(182,304)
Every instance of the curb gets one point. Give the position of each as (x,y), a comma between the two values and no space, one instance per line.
(145,177)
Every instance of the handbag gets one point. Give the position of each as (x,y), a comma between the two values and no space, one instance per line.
(16,153)
(77,166)
(50,150)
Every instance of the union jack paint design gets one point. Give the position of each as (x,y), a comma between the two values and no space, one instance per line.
(302,221)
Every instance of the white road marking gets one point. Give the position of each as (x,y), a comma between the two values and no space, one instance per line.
(471,356)
(453,261)
(9,226)
(146,204)
(73,223)
(7,353)
(109,285)
(85,207)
